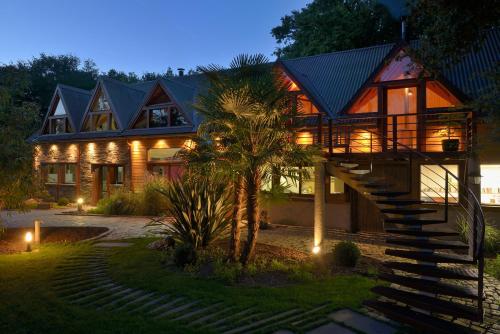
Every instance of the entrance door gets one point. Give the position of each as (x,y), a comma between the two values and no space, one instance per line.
(106,179)
(402,126)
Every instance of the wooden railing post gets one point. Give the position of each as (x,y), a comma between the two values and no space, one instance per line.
(330,137)
(395,133)
(446,197)
(320,129)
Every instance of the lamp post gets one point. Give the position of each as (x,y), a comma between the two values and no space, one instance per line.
(79,201)
(28,238)
(37,223)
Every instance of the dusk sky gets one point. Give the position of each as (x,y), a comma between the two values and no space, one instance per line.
(141,36)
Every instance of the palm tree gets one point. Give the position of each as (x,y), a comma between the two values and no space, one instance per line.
(247,114)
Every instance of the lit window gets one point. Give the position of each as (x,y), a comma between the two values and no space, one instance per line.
(400,68)
(51,173)
(367,102)
(163,154)
(336,185)
(432,183)
(69,173)
(295,182)
(490,184)
(437,96)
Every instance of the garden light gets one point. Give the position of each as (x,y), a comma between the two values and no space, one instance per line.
(79,201)
(28,238)
(316,249)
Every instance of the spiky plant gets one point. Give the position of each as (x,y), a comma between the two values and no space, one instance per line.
(200,211)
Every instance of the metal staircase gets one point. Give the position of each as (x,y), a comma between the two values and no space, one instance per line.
(430,282)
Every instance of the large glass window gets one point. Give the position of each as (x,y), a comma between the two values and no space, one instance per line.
(158,118)
(336,185)
(162,154)
(59,111)
(69,173)
(367,102)
(51,173)
(490,184)
(295,181)
(400,68)
(432,183)
(437,96)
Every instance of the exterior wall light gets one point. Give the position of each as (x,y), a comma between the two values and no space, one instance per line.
(79,201)
(475,178)
(316,249)
(28,238)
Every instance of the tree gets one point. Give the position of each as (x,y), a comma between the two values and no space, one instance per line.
(334,25)
(18,120)
(247,113)
(129,77)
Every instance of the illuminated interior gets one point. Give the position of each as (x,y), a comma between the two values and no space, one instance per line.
(432,183)
(490,184)
(303,185)
(367,103)
(400,68)
(403,103)
(163,154)
(336,185)
(437,96)
(305,138)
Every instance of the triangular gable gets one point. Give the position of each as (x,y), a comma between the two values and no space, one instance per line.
(99,91)
(160,94)
(400,67)
(59,108)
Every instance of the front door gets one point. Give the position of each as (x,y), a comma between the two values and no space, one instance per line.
(106,179)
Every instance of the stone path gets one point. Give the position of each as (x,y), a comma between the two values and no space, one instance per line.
(83,280)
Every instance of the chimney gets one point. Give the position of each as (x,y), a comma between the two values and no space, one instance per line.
(404,28)
(181,71)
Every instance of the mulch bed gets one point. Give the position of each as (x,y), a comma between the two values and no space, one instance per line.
(12,240)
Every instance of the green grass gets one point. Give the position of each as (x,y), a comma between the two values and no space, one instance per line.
(29,303)
(492,266)
(140,267)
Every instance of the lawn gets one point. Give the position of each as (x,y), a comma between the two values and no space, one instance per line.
(30,304)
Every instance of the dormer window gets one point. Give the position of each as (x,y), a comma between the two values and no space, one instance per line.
(57,122)
(160,112)
(100,117)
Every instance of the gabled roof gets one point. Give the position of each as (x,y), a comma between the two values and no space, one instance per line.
(123,99)
(74,101)
(332,79)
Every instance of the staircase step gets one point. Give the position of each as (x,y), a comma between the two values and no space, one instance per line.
(368,178)
(399,202)
(387,193)
(429,303)
(427,244)
(427,323)
(430,286)
(348,165)
(433,271)
(407,211)
(359,171)
(413,221)
(417,233)
(430,257)
(376,185)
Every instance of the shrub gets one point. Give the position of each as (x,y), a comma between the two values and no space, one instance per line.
(492,266)
(184,254)
(227,272)
(62,201)
(346,254)
(491,235)
(119,203)
(151,201)
(200,210)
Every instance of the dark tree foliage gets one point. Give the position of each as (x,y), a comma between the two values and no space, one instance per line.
(18,120)
(448,29)
(129,77)
(334,25)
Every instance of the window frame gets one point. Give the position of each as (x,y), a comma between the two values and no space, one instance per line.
(451,200)
(147,110)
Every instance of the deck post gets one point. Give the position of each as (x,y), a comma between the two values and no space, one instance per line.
(319,205)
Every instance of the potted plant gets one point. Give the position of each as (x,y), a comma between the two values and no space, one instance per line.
(450,144)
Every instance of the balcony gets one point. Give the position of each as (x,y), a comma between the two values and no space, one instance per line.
(432,132)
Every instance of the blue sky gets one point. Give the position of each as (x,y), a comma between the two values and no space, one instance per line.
(140,36)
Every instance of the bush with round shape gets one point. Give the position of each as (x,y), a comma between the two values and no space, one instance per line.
(184,254)
(346,254)
(62,201)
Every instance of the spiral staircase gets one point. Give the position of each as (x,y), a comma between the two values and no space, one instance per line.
(436,277)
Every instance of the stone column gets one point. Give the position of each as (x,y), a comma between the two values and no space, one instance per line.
(319,206)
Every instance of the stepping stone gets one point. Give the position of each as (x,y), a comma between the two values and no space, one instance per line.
(167,305)
(283,331)
(121,299)
(361,322)
(331,328)
(220,321)
(263,321)
(135,301)
(112,244)
(177,309)
(87,292)
(110,296)
(148,304)
(196,312)
(97,295)
(210,316)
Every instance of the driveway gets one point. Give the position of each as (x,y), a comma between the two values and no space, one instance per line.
(121,227)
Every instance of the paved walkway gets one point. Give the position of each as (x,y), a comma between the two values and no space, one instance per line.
(121,227)
(83,280)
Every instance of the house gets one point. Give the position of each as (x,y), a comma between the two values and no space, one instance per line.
(398,145)
(117,135)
